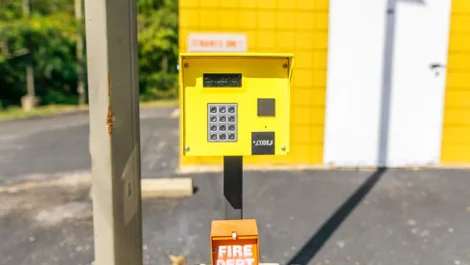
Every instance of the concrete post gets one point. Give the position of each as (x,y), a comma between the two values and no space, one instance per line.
(111,39)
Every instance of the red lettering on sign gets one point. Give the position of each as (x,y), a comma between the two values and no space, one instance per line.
(235,255)
(231,44)
(216,42)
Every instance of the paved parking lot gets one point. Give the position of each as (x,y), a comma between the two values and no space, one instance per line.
(304,217)
(36,148)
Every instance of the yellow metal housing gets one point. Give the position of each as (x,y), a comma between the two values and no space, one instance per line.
(263,75)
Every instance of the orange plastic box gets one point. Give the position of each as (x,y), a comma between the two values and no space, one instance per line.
(234,242)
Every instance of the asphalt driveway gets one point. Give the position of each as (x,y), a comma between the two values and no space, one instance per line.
(304,217)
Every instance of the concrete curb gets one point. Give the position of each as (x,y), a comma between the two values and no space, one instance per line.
(168,188)
(164,188)
(175,114)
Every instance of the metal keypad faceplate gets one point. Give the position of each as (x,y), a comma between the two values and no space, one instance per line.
(222,122)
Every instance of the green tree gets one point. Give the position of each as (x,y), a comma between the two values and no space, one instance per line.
(52,29)
(158,48)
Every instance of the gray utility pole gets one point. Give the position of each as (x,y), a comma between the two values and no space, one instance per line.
(79,39)
(111,39)
(29,101)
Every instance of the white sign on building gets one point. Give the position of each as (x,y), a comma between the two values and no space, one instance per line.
(217,42)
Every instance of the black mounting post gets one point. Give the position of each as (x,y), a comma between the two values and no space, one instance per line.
(233,187)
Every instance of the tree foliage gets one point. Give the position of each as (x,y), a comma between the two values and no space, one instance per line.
(52,30)
(158,42)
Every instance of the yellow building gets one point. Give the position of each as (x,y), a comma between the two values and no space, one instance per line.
(302,27)
(456,132)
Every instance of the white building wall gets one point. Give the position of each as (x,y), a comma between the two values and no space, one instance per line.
(384,102)
(354,82)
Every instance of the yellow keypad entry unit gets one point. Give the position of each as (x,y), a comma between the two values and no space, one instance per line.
(235,104)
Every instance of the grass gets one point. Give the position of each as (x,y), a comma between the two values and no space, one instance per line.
(14,113)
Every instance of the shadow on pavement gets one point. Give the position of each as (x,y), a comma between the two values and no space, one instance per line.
(316,242)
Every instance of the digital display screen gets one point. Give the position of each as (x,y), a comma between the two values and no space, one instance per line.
(222,80)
